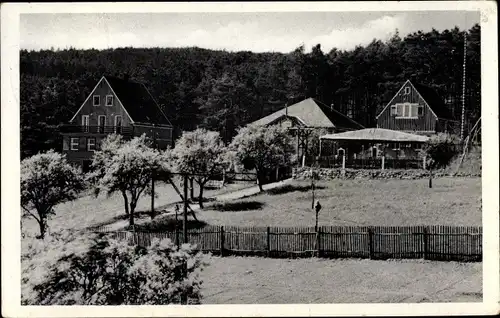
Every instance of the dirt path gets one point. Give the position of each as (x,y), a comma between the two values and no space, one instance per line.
(168,208)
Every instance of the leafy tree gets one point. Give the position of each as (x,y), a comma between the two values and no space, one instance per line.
(440,150)
(106,271)
(200,153)
(127,167)
(261,149)
(47,180)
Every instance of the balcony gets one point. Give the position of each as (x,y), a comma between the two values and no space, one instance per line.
(103,130)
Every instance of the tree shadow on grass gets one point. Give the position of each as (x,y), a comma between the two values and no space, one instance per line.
(168,224)
(123,217)
(237,206)
(292,188)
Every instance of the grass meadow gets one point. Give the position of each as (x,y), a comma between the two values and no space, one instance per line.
(451,201)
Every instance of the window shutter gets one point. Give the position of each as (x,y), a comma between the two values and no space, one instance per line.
(65,143)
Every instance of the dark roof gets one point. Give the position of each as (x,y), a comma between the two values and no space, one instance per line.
(138,102)
(312,113)
(434,101)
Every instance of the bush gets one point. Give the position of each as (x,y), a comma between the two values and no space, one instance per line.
(441,149)
(97,270)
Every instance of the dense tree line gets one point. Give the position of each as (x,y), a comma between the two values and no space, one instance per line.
(222,91)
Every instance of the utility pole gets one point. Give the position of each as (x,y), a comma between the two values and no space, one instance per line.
(463,89)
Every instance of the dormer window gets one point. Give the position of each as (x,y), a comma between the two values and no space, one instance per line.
(96,100)
(109,100)
(407,90)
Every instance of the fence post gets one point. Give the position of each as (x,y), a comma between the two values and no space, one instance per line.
(370,243)
(425,243)
(222,241)
(424,163)
(383,162)
(343,161)
(268,230)
(318,246)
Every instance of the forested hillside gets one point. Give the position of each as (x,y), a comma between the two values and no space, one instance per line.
(223,90)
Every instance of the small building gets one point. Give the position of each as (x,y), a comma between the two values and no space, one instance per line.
(373,144)
(306,116)
(114,106)
(417,109)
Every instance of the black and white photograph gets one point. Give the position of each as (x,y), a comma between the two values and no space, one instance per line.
(171,156)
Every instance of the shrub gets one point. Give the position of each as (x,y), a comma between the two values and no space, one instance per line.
(105,271)
(441,149)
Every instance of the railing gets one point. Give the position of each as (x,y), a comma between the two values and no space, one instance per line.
(97,129)
(368,163)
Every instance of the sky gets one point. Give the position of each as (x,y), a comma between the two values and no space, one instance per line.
(250,31)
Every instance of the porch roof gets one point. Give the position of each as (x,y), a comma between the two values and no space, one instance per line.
(376,134)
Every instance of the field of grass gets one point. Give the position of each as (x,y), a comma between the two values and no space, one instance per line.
(249,280)
(451,201)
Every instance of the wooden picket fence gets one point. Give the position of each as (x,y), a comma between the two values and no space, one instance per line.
(446,243)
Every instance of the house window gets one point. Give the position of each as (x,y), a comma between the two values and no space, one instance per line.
(420,111)
(109,100)
(407,110)
(407,90)
(90,144)
(75,142)
(96,100)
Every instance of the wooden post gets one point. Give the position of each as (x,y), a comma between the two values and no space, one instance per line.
(223,177)
(222,241)
(268,230)
(177,242)
(298,147)
(303,161)
(184,223)
(424,162)
(319,154)
(430,178)
(191,188)
(277,174)
(343,161)
(318,240)
(152,195)
(370,242)
(383,162)
(425,243)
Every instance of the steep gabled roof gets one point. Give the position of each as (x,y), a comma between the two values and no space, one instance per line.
(434,101)
(138,102)
(430,96)
(312,113)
